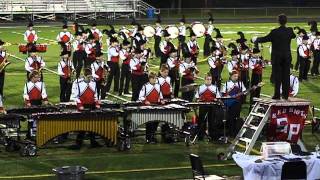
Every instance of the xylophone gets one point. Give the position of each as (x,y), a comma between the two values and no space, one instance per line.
(172,113)
(102,122)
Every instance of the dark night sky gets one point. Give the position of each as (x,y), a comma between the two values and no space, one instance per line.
(232,3)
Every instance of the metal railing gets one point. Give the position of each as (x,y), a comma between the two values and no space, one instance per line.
(252,12)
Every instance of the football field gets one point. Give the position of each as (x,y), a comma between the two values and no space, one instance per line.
(143,161)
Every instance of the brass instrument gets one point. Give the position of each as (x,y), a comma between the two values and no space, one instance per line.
(104,76)
(71,72)
(4,64)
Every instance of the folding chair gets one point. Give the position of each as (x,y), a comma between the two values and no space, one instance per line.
(294,170)
(198,170)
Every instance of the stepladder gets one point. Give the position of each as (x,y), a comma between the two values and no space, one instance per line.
(251,129)
(263,110)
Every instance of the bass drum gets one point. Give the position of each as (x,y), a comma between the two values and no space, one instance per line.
(149,31)
(198,28)
(173,31)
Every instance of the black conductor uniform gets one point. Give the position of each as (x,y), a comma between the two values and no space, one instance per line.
(280,58)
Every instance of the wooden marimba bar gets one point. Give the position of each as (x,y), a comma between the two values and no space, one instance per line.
(51,125)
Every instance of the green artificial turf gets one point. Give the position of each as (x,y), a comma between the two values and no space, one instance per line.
(160,161)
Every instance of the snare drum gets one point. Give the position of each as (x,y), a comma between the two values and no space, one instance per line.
(41,48)
(149,31)
(23,48)
(173,31)
(198,28)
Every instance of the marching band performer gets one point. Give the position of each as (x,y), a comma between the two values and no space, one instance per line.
(157,37)
(244,65)
(244,59)
(97,35)
(313,31)
(294,84)
(125,55)
(65,71)
(301,33)
(208,38)
(137,73)
(79,54)
(99,72)
(113,62)
(304,54)
(146,54)
(182,31)
(316,54)
(165,47)
(34,63)
(173,63)
(150,93)
(138,35)
(90,50)
(35,93)
(3,62)
(232,88)
(256,64)
(84,92)
(30,36)
(64,38)
(193,47)
(215,64)
(207,92)
(234,64)
(219,40)
(165,82)
(188,71)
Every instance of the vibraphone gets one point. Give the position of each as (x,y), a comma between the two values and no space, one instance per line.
(172,113)
(102,122)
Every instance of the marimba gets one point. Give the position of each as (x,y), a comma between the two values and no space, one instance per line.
(33,109)
(101,122)
(172,113)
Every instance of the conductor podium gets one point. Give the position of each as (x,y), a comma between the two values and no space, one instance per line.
(285,118)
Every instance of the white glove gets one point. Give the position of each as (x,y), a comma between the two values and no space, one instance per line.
(254,39)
